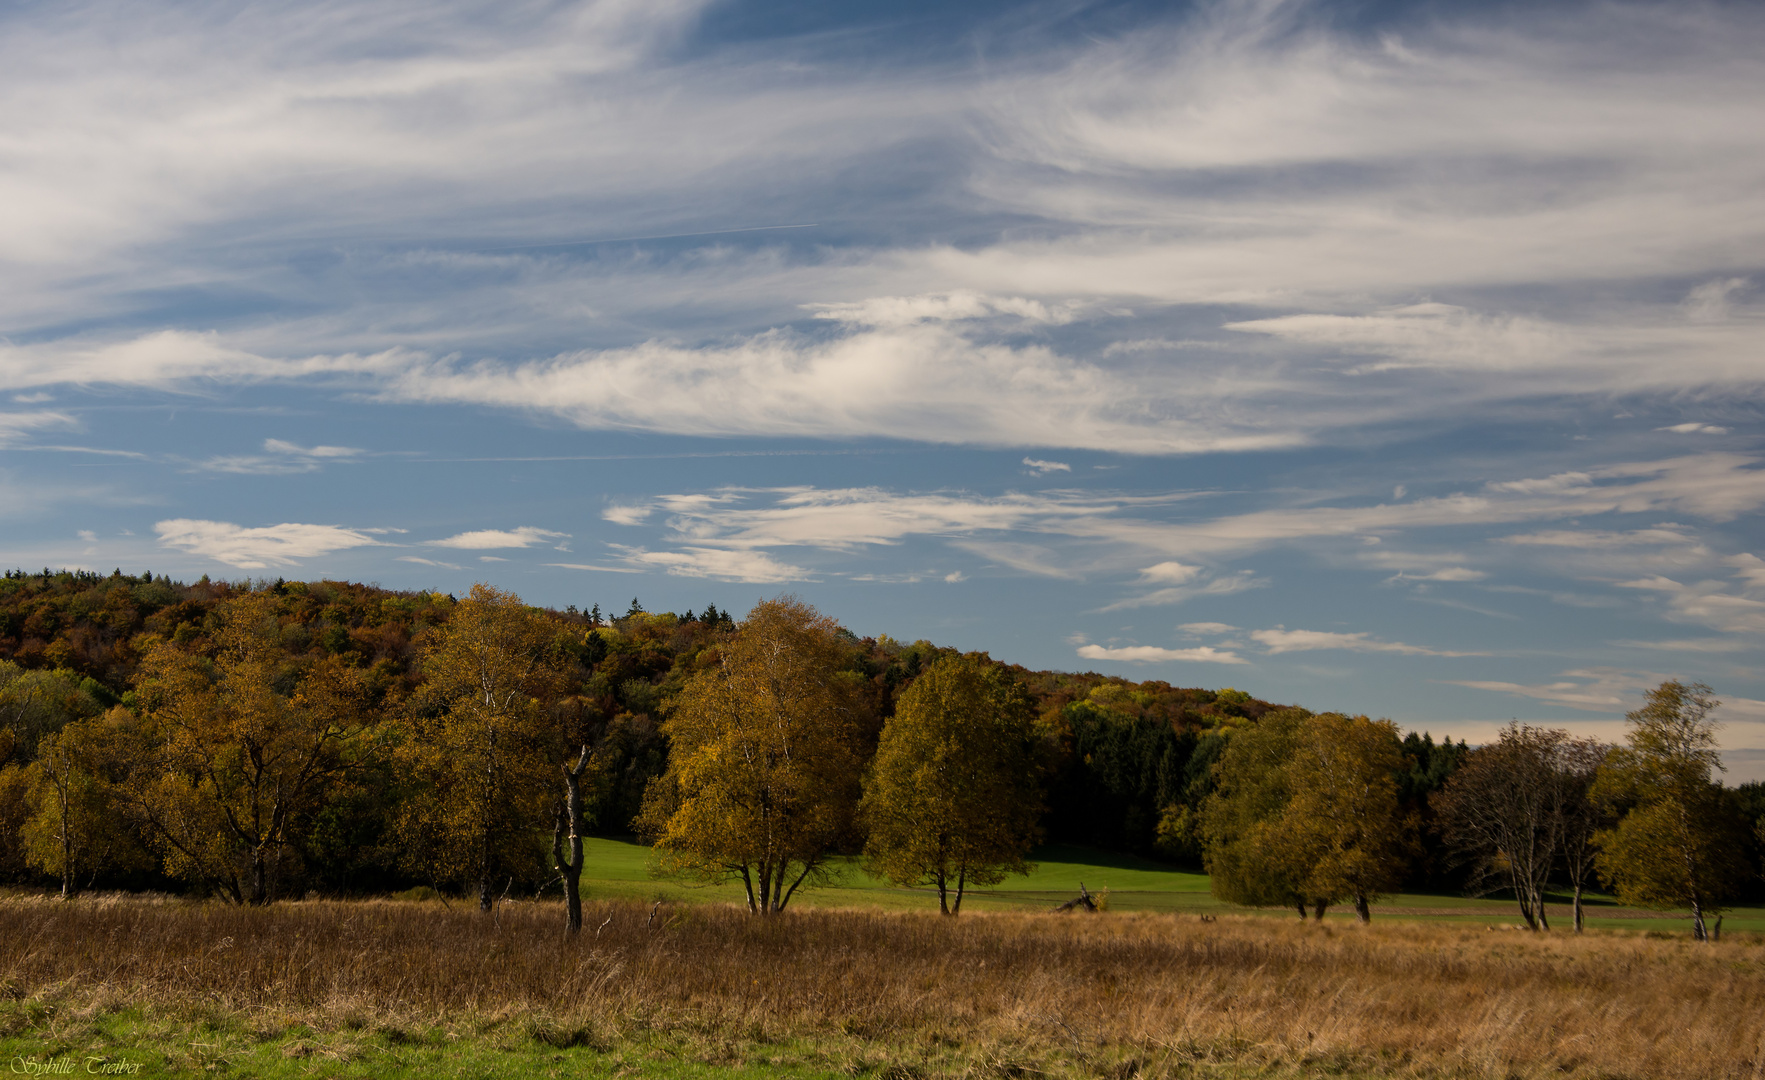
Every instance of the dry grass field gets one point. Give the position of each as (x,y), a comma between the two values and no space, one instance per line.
(369,988)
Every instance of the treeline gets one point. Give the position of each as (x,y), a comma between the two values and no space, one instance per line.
(270,739)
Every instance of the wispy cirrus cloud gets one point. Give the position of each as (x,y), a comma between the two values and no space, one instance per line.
(719,563)
(524,536)
(261,547)
(1281,640)
(1152,654)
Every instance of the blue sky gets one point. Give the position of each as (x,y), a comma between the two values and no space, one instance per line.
(1395,358)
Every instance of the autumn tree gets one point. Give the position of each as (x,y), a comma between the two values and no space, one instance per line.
(1345,808)
(479,741)
(1504,809)
(241,744)
(1582,815)
(1676,845)
(1248,858)
(952,797)
(762,781)
(78,823)
(1306,812)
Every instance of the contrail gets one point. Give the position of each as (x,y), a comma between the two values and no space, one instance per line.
(663,236)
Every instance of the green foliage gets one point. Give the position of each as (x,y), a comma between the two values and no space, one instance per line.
(1306,812)
(952,795)
(1682,839)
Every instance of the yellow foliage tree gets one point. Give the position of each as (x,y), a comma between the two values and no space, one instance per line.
(478,739)
(952,797)
(762,779)
(241,747)
(78,823)
(1679,844)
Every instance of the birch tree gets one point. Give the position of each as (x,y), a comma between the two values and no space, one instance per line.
(478,739)
(952,797)
(763,777)
(1504,809)
(1676,845)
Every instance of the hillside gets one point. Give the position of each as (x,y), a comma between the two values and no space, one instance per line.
(1121,753)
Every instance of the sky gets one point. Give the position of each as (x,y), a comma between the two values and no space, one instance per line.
(1394,358)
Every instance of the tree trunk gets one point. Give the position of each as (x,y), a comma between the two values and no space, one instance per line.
(569,826)
(1318,908)
(961,881)
(259,879)
(1578,907)
(1301,905)
(943,901)
(1699,932)
(1544,922)
(67,843)
(748,887)
(1361,909)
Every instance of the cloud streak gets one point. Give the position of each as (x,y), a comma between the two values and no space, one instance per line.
(258,548)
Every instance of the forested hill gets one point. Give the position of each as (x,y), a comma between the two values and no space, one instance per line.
(1123,755)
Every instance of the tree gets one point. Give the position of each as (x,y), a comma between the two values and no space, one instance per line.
(1345,806)
(1578,765)
(242,745)
(1305,811)
(1241,821)
(952,797)
(1504,808)
(1676,845)
(478,738)
(762,780)
(570,826)
(79,824)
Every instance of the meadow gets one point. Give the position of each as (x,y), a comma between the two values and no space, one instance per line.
(864,980)
(622,869)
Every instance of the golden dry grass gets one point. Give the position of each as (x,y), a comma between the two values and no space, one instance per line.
(1121,995)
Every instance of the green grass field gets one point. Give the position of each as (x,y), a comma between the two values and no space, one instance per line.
(623,868)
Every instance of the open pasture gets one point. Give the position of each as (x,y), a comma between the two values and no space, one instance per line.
(619,869)
(386,988)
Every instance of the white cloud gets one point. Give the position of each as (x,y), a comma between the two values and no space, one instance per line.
(724,565)
(896,311)
(1206,628)
(1596,539)
(1281,640)
(1709,301)
(258,548)
(523,537)
(1705,602)
(1151,654)
(955,576)
(1448,573)
(1694,428)
(278,446)
(1177,594)
(427,562)
(1043,468)
(1170,573)
(14,425)
(1600,689)
(620,514)
(599,569)
(929,382)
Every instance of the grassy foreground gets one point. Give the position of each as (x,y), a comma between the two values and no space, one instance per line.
(390,989)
